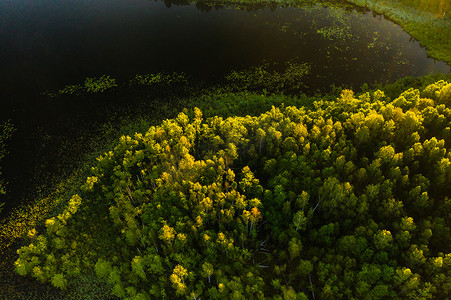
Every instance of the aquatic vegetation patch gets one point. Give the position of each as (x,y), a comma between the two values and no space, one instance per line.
(332,33)
(340,27)
(100,84)
(266,77)
(91,85)
(6,131)
(160,79)
(271,77)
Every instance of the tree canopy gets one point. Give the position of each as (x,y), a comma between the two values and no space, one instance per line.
(349,199)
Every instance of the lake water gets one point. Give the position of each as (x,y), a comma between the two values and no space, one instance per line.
(47,44)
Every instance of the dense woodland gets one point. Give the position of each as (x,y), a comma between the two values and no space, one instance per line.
(347,199)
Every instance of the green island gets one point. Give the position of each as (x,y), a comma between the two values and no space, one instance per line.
(250,189)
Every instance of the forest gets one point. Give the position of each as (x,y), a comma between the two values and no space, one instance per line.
(347,199)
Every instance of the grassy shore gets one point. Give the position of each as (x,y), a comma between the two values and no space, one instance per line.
(427,21)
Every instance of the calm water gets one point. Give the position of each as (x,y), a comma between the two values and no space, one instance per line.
(47,44)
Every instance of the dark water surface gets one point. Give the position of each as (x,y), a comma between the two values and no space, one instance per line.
(47,44)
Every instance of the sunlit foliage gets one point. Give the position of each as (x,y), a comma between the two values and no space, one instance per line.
(349,199)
